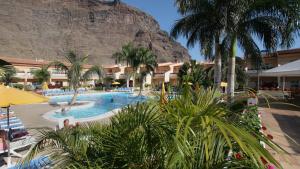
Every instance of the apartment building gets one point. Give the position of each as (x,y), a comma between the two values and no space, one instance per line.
(165,72)
(270,61)
(25,67)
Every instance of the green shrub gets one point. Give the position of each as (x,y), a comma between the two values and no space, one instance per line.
(29,88)
(18,86)
(98,88)
(65,88)
(250,120)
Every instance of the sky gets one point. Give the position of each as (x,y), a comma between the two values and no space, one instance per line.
(166,14)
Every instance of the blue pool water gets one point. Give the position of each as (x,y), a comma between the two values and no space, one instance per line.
(103,104)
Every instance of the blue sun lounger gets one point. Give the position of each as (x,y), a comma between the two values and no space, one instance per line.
(38,163)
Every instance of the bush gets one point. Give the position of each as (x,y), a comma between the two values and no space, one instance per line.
(98,88)
(18,86)
(29,88)
(65,88)
(250,119)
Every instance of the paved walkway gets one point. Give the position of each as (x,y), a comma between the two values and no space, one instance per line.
(284,126)
(31,115)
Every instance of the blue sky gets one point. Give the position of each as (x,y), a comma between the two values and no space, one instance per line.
(166,14)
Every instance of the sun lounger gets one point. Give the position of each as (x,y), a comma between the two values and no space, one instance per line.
(38,163)
(15,127)
(18,144)
(10,119)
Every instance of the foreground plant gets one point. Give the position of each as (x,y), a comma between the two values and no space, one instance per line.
(192,131)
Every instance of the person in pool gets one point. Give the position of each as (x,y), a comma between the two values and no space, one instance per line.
(63,111)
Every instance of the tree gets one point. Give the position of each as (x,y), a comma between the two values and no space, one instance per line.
(42,75)
(237,22)
(203,23)
(137,57)
(74,69)
(191,72)
(191,131)
(148,62)
(272,22)
(8,74)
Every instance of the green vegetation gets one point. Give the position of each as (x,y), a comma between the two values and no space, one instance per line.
(195,130)
(74,70)
(42,75)
(195,74)
(8,74)
(228,24)
(139,58)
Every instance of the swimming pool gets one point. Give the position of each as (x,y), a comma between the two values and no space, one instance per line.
(100,104)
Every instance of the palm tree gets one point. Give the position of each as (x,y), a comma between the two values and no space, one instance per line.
(42,75)
(203,22)
(136,57)
(238,22)
(127,55)
(272,22)
(8,75)
(148,62)
(74,69)
(192,131)
(194,73)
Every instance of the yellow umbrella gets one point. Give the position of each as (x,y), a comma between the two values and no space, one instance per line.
(163,99)
(45,86)
(115,83)
(11,96)
(223,84)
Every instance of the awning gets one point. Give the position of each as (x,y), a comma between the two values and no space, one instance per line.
(286,70)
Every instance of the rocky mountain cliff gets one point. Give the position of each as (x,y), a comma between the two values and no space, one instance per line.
(47,29)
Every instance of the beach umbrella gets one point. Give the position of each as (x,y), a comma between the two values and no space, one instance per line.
(11,96)
(115,83)
(223,84)
(163,99)
(45,86)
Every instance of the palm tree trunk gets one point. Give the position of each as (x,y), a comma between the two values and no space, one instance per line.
(218,66)
(231,70)
(74,97)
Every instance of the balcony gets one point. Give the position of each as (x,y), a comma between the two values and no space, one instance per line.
(58,76)
(159,75)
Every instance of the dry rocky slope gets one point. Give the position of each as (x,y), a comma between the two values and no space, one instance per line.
(47,29)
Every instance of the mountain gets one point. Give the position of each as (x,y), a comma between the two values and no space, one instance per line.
(47,29)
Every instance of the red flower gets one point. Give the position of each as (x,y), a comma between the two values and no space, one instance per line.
(238,156)
(263,160)
(270,136)
(264,128)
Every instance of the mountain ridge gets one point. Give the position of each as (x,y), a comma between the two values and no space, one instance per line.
(47,29)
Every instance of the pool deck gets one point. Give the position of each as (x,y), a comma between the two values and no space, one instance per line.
(284,125)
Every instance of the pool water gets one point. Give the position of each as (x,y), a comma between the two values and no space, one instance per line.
(103,103)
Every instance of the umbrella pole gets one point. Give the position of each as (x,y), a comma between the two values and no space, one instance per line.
(8,140)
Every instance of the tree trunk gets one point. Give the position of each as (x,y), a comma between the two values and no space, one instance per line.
(74,97)
(231,70)
(218,66)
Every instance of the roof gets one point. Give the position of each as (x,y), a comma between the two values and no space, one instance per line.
(29,62)
(289,69)
(165,64)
